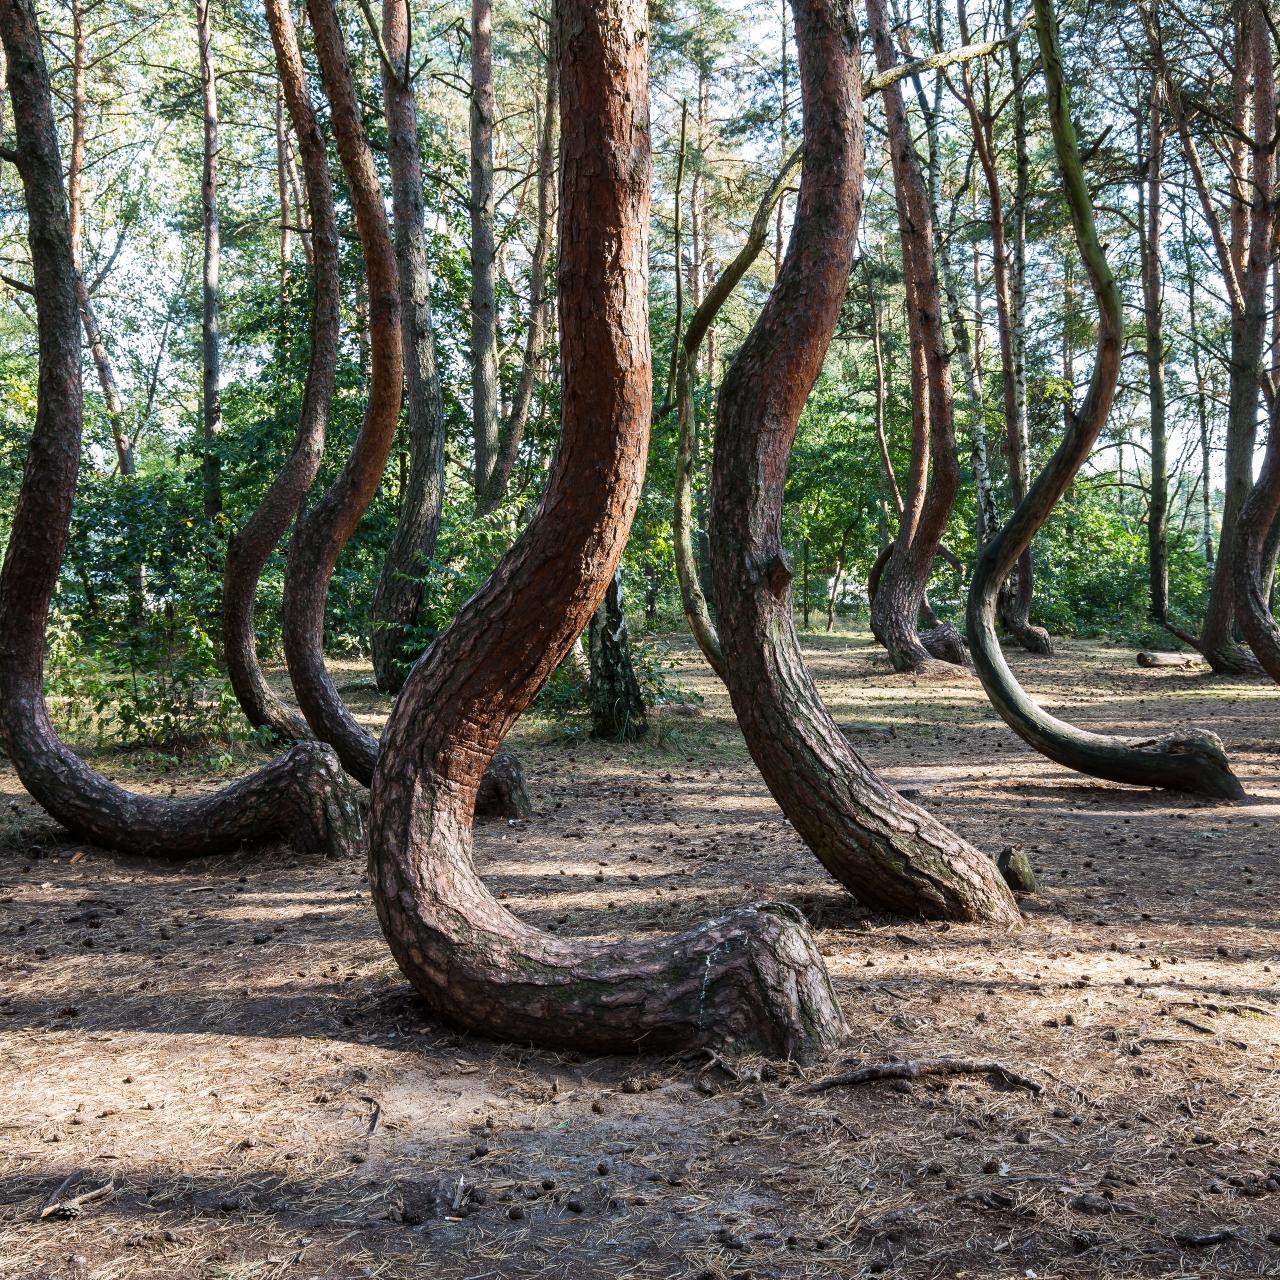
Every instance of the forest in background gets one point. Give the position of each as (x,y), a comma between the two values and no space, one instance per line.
(175,463)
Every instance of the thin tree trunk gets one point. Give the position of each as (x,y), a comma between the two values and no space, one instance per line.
(1190,761)
(249,549)
(484,258)
(539,301)
(692,596)
(397,601)
(301,796)
(896,609)
(749,981)
(1153,316)
(1008,312)
(210,343)
(75,193)
(617,707)
(889,853)
(1252,229)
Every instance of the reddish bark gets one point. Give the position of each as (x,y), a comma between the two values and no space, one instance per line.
(751,980)
(935,473)
(889,853)
(248,550)
(302,795)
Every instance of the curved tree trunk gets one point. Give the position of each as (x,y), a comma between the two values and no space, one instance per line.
(398,598)
(322,533)
(303,795)
(1192,761)
(889,853)
(751,980)
(249,550)
(692,598)
(941,640)
(935,476)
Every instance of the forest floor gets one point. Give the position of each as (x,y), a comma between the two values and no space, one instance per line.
(227,1047)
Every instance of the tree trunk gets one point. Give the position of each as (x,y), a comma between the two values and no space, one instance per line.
(1252,557)
(302,795)
(1153,315)
(889,853)
(484,258)
(322,532)
(539,301)
(617,707)
(1251,242)
(1016,598)
(692,597)
(1193,761)
(249,550)
(896,608)
(75,193)
(211,377)
(397,602)
(749,981)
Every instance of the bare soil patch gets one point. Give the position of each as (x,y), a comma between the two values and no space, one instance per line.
(228,1046)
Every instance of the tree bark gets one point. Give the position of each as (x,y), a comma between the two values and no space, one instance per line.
(484,258)
(397,602)
(1192,761)
(935,475)
(210,340)
(617,708)
(751,980)
(302,795)
(249,549)
(889,853)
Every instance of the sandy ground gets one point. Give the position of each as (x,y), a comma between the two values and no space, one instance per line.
(227,1048)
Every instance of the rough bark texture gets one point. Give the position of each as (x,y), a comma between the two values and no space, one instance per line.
(617,708)
(886,851)
(751,980)
(322,532)
(303,795)
(1191,761)
(935,477)
(210,337)
(397,601)
(484,257)
(249,550)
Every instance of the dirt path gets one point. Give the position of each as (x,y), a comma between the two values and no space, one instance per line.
(229,1045)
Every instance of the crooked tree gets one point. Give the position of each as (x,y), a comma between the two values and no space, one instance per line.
(302,795)
(889,853)
(1192,760)
(751,980)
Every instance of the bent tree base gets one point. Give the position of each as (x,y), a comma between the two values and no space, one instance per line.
(1192,760)
(751,980)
